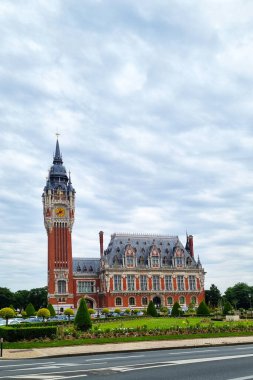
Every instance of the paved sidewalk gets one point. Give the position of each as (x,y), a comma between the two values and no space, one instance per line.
(120,347)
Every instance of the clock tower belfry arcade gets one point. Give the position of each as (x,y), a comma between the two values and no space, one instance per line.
(59,208)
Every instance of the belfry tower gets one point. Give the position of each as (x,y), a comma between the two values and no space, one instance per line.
(59,208)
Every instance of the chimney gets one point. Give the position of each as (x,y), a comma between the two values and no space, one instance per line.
(191,245)
(101,242)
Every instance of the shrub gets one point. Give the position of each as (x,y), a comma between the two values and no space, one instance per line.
(203,309)
(117,310)
(82,319)
(176,310)
(151,309)
(91,311)
(12,334)
(30,311)
(69,312)
(51,310)
(44,313)
(128,311)
(105,311)
(7,313)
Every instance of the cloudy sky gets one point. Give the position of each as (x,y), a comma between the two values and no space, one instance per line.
(153,101)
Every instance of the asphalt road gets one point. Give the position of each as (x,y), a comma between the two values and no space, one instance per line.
(222,363)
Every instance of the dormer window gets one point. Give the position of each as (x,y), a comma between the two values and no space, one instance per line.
(84,268)
(129,258)
(78,268)
(155,259)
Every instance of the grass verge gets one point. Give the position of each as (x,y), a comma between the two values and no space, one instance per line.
(77,342)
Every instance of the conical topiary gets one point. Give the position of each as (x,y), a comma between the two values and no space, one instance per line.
(176,310)
(82,319)
(51,309)
(151,310)
(203,309)
(30,310)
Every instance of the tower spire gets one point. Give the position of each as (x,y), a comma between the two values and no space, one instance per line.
(57,155)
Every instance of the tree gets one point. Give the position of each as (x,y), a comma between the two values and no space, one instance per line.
(151,310)
(227,308)
(20,299)
(51,309)
(7,313)
(38,297)
(176,310)
(82,319)
(238,295)
(69,312)
(213,296)
(30,311)
(6,297)
(44,313)
(203,309)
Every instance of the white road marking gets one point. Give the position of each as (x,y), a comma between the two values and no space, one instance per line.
(116,357)
(38,377)
(243,378)
(28,364)
(192,352)
(244,348)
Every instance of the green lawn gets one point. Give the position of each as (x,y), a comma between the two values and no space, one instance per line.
(163,323)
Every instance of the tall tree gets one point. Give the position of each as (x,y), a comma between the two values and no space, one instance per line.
(213,296)
(20,299)
(239,295)
(6,297)
(38,297)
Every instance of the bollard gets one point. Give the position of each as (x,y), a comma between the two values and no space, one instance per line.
(1,347)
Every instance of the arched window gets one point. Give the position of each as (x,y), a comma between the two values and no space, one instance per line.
(118,301)
(131,301)
(144,301)
(181,300)
(170,301)
(61,286)
(194,300)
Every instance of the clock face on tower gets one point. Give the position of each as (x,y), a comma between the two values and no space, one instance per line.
(60,212)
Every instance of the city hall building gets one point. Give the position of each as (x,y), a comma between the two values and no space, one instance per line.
(131,271)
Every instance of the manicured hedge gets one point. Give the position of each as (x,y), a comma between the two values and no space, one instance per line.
(12,334)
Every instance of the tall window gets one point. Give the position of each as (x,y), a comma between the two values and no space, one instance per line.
(179,261)
(192,282)
(130,282)
(156,283)
(180,282)
(155,261)
(61,286)
(181,300)
(117,282)
(170,301)
(85,287)
(131,301)
(168,283)
(118,301)
(144,301)
(143,282)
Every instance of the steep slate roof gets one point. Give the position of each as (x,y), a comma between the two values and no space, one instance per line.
(142,244)
(83,265)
